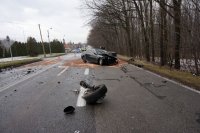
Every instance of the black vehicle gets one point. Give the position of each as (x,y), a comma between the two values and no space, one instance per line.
(98,56)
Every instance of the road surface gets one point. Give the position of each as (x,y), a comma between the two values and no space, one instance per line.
(32,99)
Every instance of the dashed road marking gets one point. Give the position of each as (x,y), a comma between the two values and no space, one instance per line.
(86,71)
(63,71)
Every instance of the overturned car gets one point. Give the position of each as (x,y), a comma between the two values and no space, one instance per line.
(98,56)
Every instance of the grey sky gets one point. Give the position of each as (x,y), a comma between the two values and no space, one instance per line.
(20,18)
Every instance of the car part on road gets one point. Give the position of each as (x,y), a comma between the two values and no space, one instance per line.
(69,110)
(94,94)
(86,85)
(83,58)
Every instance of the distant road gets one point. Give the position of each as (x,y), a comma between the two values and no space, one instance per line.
(137,100)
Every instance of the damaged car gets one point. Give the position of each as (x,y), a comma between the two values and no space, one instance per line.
(98,56)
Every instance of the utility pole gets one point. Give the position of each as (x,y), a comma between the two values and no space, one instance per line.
(42,41)
(49,42)
(9,43)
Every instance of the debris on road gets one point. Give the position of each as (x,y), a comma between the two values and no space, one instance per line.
(40,82)
(124,69)
(29,71)
(69,110)
(164,81)
(94,94)
(76,91)
(77,131)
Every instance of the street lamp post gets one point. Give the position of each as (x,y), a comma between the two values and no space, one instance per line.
(49,42)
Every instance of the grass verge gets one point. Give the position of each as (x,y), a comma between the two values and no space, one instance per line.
(52,55)
(183,77)
(17,63)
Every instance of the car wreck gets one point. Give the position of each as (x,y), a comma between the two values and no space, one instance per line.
(99,56)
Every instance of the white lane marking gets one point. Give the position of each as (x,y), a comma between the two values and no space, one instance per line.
(86,71)
(63,71)
(80,101)
(61,66)
(19,81)
(177,83)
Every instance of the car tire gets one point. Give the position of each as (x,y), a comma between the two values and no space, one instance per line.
(84,60)
(101,62)
(94,96)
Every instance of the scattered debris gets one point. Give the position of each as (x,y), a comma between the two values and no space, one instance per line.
(77,131)
(40,82)
(131,60)
(29,71)
(76,91)
(164,81)
(139,65)
(124,69)
(69,110)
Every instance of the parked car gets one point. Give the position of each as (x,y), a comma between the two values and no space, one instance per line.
(98,56)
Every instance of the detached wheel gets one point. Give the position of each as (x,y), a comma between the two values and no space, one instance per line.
(93,96)
(101,62)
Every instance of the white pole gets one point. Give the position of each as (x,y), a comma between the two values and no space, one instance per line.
(49,42)
(11,53)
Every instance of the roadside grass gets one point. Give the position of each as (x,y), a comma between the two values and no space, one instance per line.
(17,63)
(183,77)
(52,55)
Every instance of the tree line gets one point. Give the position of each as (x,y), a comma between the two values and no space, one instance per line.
(31,48)
(162,31)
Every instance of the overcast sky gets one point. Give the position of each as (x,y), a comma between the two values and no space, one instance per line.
(20,18)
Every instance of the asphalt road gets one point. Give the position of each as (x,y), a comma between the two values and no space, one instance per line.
(137,101)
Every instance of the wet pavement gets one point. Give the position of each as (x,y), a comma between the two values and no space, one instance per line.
(137,101)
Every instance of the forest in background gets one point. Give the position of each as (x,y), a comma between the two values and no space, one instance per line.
(160,31)
(31,48)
